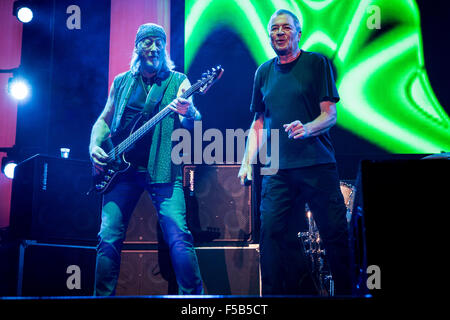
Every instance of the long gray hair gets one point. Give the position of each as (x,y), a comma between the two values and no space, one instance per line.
(135,63)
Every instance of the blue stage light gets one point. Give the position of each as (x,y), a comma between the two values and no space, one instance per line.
(24,14)
(18,88)
(23,10)
(8,170)
(9,161)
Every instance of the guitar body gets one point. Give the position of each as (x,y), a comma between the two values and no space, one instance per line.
(104,180)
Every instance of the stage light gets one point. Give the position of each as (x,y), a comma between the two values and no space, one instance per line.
(18,88)
(23,11)
(8,163)
(9,170)
(24,14)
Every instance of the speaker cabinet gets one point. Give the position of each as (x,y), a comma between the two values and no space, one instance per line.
(143,226)
(55,270)
(404,202)
(9,257)
(218,207)
(230,270)
(225,271)
(146,272)
(49,200)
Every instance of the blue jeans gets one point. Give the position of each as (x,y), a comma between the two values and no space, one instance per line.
(119,204)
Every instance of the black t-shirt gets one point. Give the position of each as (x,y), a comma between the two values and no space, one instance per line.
(293,91)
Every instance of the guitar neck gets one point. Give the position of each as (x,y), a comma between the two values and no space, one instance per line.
(146,127)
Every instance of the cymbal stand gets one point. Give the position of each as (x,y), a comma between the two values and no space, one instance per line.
(316,256)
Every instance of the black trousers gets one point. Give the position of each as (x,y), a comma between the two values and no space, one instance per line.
(283,263)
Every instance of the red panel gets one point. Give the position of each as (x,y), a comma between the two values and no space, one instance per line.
(10,44)
(126,17)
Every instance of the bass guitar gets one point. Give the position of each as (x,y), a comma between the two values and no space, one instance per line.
(116,162)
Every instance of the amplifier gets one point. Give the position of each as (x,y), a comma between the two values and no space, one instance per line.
(146,272)
(219,209)
(404,203)
(55,270)
(143,226)
(225,271)
(49,200)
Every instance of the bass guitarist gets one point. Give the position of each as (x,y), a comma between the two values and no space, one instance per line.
(149,85)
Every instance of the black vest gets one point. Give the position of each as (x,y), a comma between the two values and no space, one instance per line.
(160,166)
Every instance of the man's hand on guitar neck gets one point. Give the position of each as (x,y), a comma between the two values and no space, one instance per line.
(184,107)
(97,156)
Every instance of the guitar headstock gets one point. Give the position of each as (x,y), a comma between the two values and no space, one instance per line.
(209,77)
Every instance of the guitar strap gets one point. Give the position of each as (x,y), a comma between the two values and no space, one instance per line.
(156,94)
